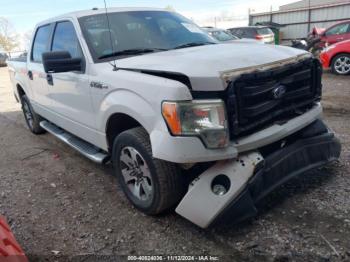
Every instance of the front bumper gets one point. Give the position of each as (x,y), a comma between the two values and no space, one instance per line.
(256,174)
(179,149)
(325,60)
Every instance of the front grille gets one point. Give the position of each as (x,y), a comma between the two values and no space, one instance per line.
(259,99)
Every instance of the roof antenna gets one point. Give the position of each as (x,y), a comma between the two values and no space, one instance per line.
(114,64)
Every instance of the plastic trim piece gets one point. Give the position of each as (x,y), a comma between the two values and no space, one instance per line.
(254,175)
(200,205)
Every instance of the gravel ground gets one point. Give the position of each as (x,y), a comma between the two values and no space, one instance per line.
(61,205)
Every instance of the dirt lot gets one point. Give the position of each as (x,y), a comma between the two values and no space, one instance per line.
(61,205)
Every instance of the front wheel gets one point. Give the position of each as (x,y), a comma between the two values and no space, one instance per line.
(341,64)
(150,184)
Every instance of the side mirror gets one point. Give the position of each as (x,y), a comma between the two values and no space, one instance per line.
(61,61)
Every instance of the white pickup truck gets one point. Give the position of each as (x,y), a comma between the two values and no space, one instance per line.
(206,128)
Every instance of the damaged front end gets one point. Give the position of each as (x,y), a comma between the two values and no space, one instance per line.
(231,189)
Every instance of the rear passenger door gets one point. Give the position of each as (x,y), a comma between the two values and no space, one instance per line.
(36,74)
(70,91)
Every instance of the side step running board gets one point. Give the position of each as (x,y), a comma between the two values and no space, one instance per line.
(88,150)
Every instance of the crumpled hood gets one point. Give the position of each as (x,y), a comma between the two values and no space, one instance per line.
(205,65)
(317,31)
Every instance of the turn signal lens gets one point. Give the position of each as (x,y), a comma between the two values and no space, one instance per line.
(169,111)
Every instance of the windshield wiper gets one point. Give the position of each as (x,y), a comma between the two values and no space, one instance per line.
(135,51)
(193,44)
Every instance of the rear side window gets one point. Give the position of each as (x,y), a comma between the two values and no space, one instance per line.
(338,29)
(238,32)
(41,42)
(65,39)
(264,31)
(249,32)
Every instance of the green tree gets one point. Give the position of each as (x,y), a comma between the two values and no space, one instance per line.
(8,36)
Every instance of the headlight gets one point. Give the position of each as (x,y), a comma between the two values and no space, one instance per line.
(203,118)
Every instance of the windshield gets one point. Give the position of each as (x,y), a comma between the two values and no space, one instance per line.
(139,31)
(223,35)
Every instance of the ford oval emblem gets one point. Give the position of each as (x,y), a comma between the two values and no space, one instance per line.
(279,91)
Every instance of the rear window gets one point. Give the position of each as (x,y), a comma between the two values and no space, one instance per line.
(264,31)
(237,32)
(222,35)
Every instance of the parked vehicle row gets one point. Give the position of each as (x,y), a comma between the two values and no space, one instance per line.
(188,122)
(331,45)
(225,36)
(260,33)
(320,38)
(324,37)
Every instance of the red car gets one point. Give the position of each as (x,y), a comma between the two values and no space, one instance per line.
(334,34)
(337,57)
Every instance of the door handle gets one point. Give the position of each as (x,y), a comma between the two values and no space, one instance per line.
(30,75)
(49,79)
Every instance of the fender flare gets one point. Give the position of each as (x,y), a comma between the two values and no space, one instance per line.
(19,83)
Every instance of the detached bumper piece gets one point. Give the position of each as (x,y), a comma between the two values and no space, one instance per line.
(310,148)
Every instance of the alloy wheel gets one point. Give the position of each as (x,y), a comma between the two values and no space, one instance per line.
(136,174)
(342,65)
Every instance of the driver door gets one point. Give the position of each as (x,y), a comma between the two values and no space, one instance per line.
(70,91)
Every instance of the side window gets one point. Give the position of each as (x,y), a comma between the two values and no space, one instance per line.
(251,32)
(338,30)
(65,39)
(239,32)
(40,42)
(234,31)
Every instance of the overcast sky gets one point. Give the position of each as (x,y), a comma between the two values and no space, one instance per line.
(25,14)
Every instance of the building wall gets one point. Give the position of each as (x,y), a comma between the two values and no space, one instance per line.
(307,3)
(298,22)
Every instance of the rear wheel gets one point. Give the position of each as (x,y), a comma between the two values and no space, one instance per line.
(341,64)
(150,184)
(32,119)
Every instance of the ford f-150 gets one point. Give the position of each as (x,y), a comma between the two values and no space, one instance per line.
(189,123)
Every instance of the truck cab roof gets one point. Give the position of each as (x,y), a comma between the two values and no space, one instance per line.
(95,11)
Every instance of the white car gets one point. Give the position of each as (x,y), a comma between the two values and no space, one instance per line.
(188,123)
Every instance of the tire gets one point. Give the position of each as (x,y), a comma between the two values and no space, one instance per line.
(32,119)
(151,185)
(341,64)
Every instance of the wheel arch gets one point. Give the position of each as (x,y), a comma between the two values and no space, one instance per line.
(20,90)
(118,123)
(335,55)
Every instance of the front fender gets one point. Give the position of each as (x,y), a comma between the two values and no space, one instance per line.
(129,103)
(139,96)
